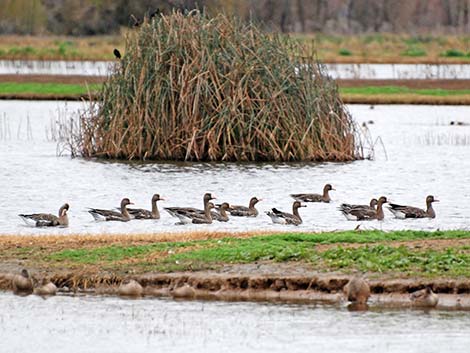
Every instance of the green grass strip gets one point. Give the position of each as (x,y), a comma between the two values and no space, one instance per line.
(381,90)
(47,88)
(276,247)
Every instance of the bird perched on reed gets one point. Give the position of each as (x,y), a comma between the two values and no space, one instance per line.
(117,53)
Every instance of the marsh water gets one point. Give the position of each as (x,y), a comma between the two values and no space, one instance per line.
(417,152)
(343,71)
(59,323)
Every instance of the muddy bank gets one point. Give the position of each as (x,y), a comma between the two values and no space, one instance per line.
(249,286)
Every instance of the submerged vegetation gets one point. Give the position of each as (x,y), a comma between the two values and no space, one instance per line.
(200,88)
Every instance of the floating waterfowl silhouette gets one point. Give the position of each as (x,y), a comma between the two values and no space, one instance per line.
(47,220)
(110,215)
(357,290)
(403,212)
(140,213)
(243,211)
(188,215)
(365,213)
(325,197)
(280,217)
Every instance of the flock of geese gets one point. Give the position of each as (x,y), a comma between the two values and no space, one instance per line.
(211,212)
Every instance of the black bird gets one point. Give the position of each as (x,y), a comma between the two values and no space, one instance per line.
(117,53)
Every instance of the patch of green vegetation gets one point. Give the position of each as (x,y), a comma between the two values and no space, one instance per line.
(284,247)
(378,38)
(453,53)
(384,90)
(345,52)
(27,50)
(381,258)
(414,52)
(47,88)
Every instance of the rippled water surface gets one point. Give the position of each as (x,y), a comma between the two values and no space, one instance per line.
(97,324)
(423,155)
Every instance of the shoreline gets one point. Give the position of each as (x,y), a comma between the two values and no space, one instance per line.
(273,288)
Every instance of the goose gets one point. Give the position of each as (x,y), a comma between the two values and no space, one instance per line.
(287,218)
(110,215)
(365,213)
(314,197)
(188,215)
(403,212)
(47,220)
(130,288)
(47,288)
(424,298)
(221,216)
(357,290)
(139,213)
(243,211)
(22,283)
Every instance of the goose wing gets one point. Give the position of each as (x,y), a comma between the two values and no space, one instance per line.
(41,219)
(140,213)
(307,197)
(240,211)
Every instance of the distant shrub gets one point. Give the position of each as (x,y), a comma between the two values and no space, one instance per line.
(345,52)
(18,51)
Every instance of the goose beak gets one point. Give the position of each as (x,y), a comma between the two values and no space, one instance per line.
(436,200)
(163,199)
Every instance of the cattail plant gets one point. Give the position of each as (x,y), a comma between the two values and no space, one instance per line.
(196,88)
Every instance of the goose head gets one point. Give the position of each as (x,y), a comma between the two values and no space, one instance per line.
(430,199)
(157,197)
(254,201)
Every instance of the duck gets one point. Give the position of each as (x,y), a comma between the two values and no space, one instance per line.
(22,283)
(139,213)
(188,215)
(46,288)
(130,288)
(287,218)
(365,213)
(243,211)
(357,290)
(48,220)
(325,197)
(110,215)
(424,298)
(403,212)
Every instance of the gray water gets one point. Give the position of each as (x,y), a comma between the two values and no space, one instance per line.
(109,324)
(343,71)
(423,155)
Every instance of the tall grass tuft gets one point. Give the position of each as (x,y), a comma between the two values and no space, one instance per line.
(191,87)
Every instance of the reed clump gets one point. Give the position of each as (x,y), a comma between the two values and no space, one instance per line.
(194,88)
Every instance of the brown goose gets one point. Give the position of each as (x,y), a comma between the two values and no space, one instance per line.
(110,215)
(403,212)
(188,215)
(287,218)
(243,211)
(365,214)
(221,215)
(357,290)
(139,213)
(47,220)
(314,197)
(22,283)
(130,288)
(424,298)
(47,288)
(346,209)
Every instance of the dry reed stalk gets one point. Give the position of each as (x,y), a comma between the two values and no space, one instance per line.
(215,89)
